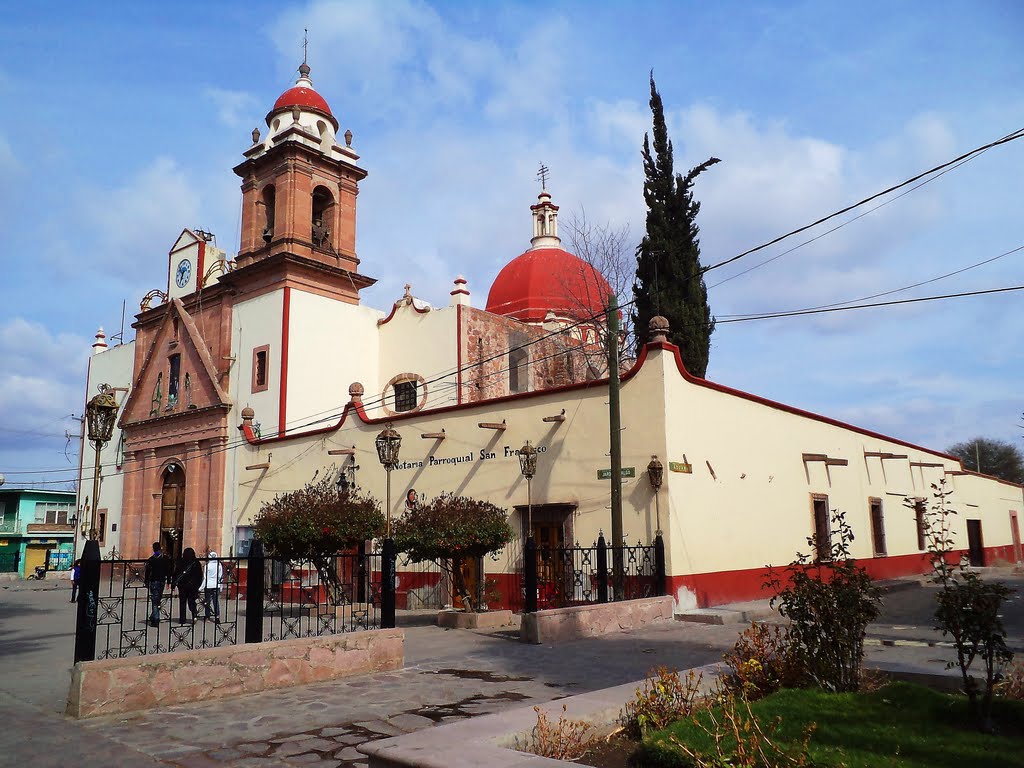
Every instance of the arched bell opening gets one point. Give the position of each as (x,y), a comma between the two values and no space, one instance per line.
(268,202)
(323,212)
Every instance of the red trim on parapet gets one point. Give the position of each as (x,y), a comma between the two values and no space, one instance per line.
(458,351)
(397,305)
(282,411)
(664,345)
(987,477)
(637,365)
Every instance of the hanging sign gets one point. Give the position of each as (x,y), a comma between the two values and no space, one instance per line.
(680,466)
(606,474)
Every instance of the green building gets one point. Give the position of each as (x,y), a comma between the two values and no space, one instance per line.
(36,528)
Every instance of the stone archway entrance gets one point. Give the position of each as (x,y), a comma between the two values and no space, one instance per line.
(172,510)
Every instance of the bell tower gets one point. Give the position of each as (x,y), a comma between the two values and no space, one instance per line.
(299,187)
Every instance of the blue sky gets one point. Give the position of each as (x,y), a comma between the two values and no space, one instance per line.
(122,121)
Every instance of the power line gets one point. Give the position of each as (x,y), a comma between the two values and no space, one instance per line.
(1004,140)
(884,293)
(823,310)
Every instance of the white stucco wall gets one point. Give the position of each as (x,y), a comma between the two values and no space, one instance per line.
(331,344)
(748,501)
(255,323)
(421,343)
(113,367)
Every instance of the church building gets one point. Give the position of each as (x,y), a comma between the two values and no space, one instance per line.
(250,376)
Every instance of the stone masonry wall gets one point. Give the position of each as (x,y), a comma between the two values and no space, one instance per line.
(559,625)
(111,686)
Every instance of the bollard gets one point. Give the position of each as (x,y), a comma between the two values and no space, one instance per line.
(254,586)
(602,569)
(530,576)
(88,602)
(389,558)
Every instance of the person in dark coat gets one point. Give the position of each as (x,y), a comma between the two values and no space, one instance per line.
(158,573)
(187,578)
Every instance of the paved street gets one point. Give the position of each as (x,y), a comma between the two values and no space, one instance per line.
(449,674)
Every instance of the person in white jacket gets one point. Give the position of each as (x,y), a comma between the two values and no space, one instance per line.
(211,587)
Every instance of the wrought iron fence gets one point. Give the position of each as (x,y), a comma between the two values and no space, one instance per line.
(135,618)
(575,575)
(340,593)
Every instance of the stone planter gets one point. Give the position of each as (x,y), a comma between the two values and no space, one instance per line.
(484,620)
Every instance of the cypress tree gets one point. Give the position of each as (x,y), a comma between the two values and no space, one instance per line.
(668,272)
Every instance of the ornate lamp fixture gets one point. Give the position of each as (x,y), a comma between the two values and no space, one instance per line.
(656,474)
(388,443)
(100,415)
(528,466)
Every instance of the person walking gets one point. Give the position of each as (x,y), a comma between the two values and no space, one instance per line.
(187,578)
(76,571)
(212,576)
(158,572)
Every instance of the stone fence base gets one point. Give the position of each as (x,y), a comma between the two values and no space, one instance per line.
(111,686)
(558,625)
(484,620)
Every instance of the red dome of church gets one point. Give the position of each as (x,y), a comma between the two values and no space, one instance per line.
(306,98)
(546,280)
(303,96)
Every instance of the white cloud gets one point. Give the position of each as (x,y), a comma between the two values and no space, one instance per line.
(125,228)
(40,385)
(233,107)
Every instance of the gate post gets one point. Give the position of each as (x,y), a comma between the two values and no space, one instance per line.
(602,569)
(254,586)
(530,576)
(88,602)
(388,565)
(361,574)
(660,577)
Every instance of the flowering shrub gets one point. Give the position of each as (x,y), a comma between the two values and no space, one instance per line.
(762,661)
(316,522)
(449,530)
(664,699)
(829,602)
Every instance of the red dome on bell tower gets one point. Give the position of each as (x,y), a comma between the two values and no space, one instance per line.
(547,278)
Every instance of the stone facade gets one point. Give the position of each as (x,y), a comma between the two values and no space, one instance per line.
(112,686)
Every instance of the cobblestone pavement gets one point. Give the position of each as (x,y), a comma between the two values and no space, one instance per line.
(449,675)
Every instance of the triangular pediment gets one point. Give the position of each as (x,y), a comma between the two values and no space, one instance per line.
(185,239)
(154,394)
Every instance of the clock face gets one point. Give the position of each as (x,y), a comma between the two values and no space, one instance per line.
(184,273)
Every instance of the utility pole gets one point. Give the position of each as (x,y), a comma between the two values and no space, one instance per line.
(615,440)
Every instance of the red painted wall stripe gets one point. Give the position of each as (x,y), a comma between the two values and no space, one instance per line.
(458,352)
(283,405)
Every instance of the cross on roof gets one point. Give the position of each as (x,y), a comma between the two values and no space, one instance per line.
(542,174)
(305,44)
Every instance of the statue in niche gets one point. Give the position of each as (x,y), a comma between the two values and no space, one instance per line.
(158,396)
(188,391)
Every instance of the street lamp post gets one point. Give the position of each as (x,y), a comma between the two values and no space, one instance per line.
(388,443)
(528,466)
(100,415)
(656,474)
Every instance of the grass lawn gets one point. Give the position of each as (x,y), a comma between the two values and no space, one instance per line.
(899,725)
